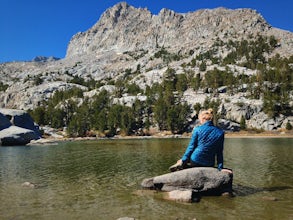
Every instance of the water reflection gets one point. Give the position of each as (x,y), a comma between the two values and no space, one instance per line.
(240,190)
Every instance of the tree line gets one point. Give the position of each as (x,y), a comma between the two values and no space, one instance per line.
(81,116)
(165,107)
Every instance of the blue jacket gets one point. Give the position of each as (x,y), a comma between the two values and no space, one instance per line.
(207,143)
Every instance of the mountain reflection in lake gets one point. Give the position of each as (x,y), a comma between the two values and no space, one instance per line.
(101,180)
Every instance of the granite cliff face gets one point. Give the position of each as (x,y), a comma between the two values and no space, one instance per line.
(127,38)
(125,28)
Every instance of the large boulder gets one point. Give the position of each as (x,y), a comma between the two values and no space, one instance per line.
(17,127)
(4,122)
(227,125)
(20,118)
(16,136)
(189,184)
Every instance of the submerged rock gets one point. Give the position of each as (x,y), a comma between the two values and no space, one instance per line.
(180,195)
(126,218)
(28,185)
(189,184)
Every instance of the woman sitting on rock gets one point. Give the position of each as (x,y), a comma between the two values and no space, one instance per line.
(206,144)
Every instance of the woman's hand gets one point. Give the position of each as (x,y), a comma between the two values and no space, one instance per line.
(176,166)
(179,162)
(227,171)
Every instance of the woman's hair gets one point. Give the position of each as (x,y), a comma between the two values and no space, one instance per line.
(207,114)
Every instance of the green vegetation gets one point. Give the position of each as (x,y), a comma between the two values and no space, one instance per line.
(58,110)
(3,87)
(90,83)
(38,80)
(289,126)
(166,56)
(99,114)
(164,106)
(243,123)
(272,83)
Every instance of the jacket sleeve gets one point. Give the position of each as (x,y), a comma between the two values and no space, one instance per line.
(220,159)
(191,146)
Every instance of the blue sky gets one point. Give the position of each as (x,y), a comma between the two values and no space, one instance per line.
(30,28)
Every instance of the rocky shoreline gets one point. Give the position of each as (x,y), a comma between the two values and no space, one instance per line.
(18,128)
(244,134)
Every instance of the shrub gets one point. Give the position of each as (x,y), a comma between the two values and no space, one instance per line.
(288,126)
(3,87)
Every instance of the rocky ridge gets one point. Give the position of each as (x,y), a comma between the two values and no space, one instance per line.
(125,28)
(126,37)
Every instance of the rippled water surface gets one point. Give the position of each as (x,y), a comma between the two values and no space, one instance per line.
(101,180)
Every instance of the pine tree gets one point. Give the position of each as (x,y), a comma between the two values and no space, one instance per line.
(288,126)
(243,123)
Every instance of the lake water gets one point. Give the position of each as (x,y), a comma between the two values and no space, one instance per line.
(101,180)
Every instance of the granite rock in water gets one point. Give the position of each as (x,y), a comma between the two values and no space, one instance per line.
(187,185)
